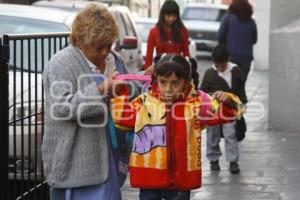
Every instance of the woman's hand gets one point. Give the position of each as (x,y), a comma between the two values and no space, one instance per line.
(149,70)
(110,86)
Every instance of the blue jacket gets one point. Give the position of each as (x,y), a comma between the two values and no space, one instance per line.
(239,36)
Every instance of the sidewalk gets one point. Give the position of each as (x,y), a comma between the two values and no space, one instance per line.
(269,160)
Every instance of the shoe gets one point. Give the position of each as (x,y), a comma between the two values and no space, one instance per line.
(214,165)
(234,168)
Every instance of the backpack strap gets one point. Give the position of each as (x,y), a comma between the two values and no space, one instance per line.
(120,65)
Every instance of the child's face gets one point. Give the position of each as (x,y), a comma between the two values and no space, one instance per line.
(221,66)
(170,87)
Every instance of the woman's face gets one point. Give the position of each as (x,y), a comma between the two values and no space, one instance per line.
(170,87)
(170,19)
(96,53)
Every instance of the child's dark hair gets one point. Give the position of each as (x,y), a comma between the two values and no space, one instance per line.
(220,54)
(170,7)
(184,68)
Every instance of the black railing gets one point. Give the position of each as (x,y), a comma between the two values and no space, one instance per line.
(4,56)
(23,58)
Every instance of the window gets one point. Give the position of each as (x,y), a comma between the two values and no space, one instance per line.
(206,14)
(128,25)
(18,25)
(121,26)
(25,56)
(144,29)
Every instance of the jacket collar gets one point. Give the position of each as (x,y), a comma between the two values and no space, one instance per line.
(230,65)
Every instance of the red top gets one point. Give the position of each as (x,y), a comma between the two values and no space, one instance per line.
(166,46)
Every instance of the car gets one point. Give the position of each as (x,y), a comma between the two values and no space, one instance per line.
(18,19)
(203,22)
(25,78)
(145,24)
(127,28)
(25,82)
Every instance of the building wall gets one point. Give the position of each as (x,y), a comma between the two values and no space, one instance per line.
(283,12)
(284,91)
(262,14)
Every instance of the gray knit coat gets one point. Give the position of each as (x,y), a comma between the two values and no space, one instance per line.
(74,149)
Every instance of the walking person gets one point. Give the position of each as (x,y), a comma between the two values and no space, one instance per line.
(239,33)
(223,76)
(169,35)
(165,161)
(77,153)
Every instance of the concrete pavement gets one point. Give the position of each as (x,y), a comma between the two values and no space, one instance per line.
(269,160)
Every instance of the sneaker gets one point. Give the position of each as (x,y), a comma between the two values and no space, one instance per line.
(234,168)
(214,165)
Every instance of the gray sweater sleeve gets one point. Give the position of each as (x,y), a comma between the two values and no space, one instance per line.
(70,93)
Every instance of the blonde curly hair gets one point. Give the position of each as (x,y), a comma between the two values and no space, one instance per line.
(94,24)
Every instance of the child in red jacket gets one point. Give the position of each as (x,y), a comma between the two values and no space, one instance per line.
(167,120)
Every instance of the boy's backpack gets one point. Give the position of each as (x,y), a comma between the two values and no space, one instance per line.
(240,129)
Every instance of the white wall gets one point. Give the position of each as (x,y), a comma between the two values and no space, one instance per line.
(284,109)
(262,11)
(283,12)
(284,98)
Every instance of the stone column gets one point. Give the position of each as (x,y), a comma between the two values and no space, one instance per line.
(262,14)
(284,91)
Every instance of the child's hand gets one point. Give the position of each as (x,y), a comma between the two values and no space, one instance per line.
(224,98)
(220,96)
(110,86)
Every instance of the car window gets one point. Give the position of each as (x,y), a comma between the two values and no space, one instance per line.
(128,25)
(24,57)
(121,25)
(18,25)
(206,14)
(144,28)
(33,56)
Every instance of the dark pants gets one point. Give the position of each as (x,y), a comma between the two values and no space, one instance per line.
(244,62)
(57,194)
(154,194)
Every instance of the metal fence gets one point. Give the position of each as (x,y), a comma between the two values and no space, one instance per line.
(23,58)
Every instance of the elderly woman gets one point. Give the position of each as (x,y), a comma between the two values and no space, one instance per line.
(77,153)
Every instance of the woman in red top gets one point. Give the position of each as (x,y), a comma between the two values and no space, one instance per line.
(169,35)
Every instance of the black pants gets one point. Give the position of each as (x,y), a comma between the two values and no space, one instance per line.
(156,194)
(244,62)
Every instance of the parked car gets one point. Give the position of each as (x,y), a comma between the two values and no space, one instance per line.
(128,31)
(144,25)
(203,22)
(25,81)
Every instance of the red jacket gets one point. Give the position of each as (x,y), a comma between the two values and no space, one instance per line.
(166,150)
(169,46)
